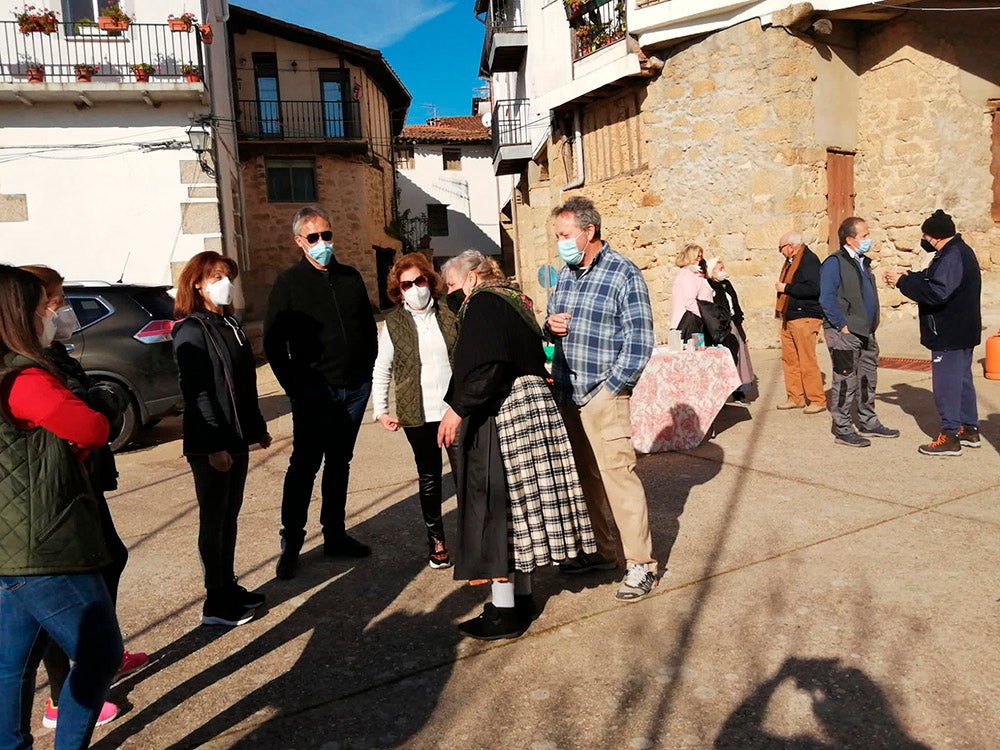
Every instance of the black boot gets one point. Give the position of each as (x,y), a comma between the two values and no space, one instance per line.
(524,604)
(288,563)
(496,623)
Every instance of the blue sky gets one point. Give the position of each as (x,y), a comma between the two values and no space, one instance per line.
(434,46)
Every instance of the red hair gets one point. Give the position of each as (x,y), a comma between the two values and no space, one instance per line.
(412,260)
(188,299)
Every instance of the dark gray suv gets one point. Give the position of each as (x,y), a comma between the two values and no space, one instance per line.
(124,341)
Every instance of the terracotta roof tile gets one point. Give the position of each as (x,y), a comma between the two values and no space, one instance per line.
(464,129)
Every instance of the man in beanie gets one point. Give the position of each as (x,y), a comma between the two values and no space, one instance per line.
(948,296)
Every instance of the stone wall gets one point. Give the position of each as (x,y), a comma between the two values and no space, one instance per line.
(355,194)
(737,131)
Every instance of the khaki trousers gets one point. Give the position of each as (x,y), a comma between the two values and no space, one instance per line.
(601,435)
(803,380)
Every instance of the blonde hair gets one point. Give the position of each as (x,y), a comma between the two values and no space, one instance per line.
(688,255)
(472,260)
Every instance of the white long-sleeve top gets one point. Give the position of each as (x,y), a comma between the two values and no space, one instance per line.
(435,370)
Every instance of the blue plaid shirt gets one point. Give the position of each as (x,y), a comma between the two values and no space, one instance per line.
(610,335)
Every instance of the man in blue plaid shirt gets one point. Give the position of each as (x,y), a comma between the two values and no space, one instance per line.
(602,325)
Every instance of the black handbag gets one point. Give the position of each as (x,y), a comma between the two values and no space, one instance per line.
(689,325)
(716,321)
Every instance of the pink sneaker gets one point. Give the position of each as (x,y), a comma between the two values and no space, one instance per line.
(108,712)
(131,662)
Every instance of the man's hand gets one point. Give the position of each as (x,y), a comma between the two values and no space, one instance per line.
(448,428)
(558,323)
(265,442)
(220,461)
(892,277)
(388,421)
(845,329)
(779,286)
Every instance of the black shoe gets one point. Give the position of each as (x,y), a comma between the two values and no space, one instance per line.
(345,546)
(852,440)
(946,444)
(586,563)
(968,436)
(524,605)
(495,623)
(288,564)
(223,610)
(247,599)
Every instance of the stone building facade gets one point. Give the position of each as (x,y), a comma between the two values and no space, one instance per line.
(733,144)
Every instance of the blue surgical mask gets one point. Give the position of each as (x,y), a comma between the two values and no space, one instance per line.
(569,252)
(864,246)
(322,252)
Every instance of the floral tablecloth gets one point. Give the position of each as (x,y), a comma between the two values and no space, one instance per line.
(678,397)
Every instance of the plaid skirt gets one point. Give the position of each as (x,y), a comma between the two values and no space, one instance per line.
(548,519)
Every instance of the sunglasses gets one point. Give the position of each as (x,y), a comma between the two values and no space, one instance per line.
(313,237)
(419,281)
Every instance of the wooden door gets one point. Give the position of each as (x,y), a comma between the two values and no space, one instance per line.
(839,191)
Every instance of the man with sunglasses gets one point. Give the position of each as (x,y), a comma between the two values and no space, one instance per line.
(320,338)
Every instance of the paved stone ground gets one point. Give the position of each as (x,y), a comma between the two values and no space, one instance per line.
(817,596)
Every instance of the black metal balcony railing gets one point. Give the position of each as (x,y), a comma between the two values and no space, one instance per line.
(71,45)
(510,123)
(505,15)
(298,120)
(595,25)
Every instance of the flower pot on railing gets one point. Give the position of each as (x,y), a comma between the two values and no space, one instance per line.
(192,78)
(113,26)
(206,33)
(142,72)
(37,25)
(179,25)
(36,74)
(574,8)
(84,73)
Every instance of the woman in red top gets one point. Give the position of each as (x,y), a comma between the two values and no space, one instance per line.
(52,549)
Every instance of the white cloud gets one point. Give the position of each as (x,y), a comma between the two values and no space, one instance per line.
(372,23)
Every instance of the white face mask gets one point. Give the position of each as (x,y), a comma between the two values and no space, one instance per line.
(220,292)
(417,297)
(721,276)
(48,331)
(65,321)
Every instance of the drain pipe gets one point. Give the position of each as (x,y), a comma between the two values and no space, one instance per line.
(577,154)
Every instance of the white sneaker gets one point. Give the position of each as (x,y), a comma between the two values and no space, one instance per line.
(639,580)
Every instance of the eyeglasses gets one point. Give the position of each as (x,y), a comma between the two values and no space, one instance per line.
(313,237)
(420,281)
(782,247)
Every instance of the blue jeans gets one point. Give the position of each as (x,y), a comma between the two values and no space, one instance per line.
(954,394)
(76,612)
(325,424)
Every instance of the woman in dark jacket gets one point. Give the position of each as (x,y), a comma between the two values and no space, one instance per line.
(52,550)
(736,341)
(221,420)
(103,478)
(520,504)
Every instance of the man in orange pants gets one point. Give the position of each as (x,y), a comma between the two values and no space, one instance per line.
(801,317)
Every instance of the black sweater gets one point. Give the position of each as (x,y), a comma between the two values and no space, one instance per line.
(219,385)
(495,347)
(320,328)
(803,289)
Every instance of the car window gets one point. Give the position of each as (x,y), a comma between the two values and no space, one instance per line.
(156,302)
(89,310)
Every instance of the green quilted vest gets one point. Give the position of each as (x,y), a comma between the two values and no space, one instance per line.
(406,359)
(49,518)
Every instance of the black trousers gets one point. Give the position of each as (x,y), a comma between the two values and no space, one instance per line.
(220,497)
(427,456)
(55,661)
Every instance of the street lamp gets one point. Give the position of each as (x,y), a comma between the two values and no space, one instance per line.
(201,144)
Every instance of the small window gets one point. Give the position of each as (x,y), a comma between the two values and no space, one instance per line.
(452,158)
(437,220)
(291,180)
(404,156)
(89,310)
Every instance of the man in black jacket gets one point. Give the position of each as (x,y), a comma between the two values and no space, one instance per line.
(948,297)
(798,309)
(320,338)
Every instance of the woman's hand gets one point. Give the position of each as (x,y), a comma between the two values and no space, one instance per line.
(220,460)
(448,428)
(388,421)
(265,441)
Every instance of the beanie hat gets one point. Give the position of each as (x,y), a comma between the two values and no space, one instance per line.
(938,226)
(710,264)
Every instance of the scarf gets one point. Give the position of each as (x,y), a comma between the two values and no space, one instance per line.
(517,299)
(787,274)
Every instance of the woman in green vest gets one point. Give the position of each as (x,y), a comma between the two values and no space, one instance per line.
(414,351)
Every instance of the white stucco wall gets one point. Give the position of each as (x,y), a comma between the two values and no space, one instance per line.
(470,194)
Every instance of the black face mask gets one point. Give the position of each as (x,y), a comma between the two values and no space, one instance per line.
(927,246)
(455,300)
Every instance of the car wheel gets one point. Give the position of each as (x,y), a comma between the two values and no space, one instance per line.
(123,429)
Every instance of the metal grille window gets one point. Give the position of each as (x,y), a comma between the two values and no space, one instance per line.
(437,220)
(291,180)
(452,158)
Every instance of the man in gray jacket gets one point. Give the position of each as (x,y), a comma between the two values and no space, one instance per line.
(850,310)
